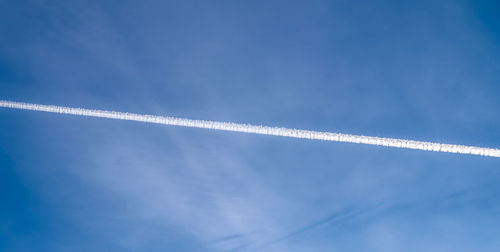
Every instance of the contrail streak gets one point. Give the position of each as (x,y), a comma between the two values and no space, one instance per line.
(263,130)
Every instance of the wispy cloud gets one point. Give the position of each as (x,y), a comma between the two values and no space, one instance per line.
(202,192)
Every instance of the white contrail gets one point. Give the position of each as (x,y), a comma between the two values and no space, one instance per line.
(263,130)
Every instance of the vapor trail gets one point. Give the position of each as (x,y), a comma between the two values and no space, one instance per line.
(263,130)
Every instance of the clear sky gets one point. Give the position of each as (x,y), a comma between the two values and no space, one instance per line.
(423,70)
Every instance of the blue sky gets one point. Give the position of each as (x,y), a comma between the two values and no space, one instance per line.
(426,70)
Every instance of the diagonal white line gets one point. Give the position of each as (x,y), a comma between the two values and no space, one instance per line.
(263,130)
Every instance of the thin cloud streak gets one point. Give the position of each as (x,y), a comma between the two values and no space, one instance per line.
(333,218)
(262,130)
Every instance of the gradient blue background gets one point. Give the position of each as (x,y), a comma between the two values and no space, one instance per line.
(425,70)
